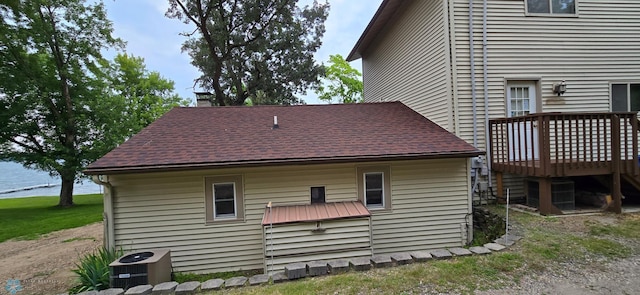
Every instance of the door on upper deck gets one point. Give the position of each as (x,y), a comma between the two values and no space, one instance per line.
(523,136)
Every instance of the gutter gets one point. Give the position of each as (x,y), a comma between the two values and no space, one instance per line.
(485,77)
(276,162)
(472,65)
(107,214)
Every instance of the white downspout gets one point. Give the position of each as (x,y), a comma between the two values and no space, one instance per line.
(107,216)
(472,61)
(485,76)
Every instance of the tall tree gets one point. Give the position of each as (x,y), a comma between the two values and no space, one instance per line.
(58,111)
(341,81)
(253,48)
(143,95)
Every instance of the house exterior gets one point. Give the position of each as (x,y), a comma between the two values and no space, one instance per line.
(242,188)
(463,63)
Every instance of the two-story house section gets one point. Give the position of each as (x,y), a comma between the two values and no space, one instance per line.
(552,85)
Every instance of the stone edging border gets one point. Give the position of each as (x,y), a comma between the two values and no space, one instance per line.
(295,271)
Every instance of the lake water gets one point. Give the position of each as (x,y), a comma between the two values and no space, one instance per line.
(15,176)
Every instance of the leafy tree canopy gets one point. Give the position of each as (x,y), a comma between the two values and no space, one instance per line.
(62,105)
(341,81)
(257,49)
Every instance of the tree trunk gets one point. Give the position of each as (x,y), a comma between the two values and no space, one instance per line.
(66,192)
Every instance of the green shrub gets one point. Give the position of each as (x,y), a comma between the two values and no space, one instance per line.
(93,270)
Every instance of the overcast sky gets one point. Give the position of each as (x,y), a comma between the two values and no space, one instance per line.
(149,34)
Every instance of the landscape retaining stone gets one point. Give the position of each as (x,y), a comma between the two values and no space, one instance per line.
(214,284)
(112,291)
(139,290)
(494,247)
(361,264)
(338,266)
(279,277)
(401,258)
(89,293)
(380,261)
(504,242)
(166,288)
(295,271)
(235,282)
(440,254)
(421,256)
(258,279)
(460,251)
(480,250)
(317,268)
(187,288)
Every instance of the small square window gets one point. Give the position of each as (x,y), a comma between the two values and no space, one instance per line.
(317,195)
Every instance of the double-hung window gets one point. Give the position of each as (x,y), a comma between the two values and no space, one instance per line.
(558,7)
(224,198)
(374,187)
(625,97)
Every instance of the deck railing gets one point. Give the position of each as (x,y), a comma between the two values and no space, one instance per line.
(565,144)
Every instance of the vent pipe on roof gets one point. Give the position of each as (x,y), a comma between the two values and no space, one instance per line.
(275,122)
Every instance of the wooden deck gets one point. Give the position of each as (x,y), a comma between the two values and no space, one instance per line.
(549,145)
(565,144)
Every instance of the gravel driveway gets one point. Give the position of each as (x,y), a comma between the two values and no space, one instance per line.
(619,277)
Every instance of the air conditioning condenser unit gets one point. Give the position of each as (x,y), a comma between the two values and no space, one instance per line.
(141,268)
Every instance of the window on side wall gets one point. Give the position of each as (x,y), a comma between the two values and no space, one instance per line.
(317,195)
(558,7)
(374,187)
(224,198)
(625,97)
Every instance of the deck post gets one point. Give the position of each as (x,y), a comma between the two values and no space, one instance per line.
(500,188)
(616,193)
(546,206)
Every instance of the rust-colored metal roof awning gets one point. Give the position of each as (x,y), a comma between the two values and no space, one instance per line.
(314,212)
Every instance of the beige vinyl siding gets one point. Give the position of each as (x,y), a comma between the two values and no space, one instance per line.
(589,51)
(166,210)
(409,62)
(429,205)
(297,242)
(160,210)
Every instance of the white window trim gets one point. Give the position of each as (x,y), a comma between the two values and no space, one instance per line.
(628,84)
(210,204)
(235,202)
(364,181)
(387,194)
(551,14)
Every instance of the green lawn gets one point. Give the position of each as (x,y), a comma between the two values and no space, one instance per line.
(28,218)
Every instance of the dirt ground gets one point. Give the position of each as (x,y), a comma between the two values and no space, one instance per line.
(44,266)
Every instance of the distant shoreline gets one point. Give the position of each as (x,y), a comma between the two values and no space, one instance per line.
(27,188)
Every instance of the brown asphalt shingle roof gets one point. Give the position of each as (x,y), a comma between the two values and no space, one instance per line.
(187,137)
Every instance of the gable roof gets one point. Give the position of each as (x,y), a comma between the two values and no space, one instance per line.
(384,13)
(189,138)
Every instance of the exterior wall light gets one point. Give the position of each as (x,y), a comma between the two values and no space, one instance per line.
(560,88)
